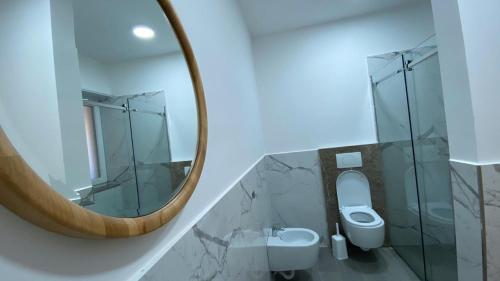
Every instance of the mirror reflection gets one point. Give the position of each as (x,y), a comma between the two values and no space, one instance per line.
(115,128)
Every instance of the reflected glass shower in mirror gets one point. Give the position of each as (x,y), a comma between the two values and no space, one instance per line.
(117,129)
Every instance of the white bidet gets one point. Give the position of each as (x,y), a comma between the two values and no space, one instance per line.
(293,249)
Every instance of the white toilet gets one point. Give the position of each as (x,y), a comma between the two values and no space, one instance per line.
(362,225)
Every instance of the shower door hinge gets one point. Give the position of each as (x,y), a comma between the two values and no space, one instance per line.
(407,66)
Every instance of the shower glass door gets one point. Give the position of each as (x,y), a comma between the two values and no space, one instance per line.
(411,128)
(395,138)
(151,152)
(116,191)
(132,167)
(431,154)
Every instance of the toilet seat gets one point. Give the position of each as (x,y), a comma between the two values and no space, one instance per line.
(349,214)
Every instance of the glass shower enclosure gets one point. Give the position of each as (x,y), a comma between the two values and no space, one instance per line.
(129,154)
(411,128)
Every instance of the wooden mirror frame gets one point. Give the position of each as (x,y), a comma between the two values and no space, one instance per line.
(23,192)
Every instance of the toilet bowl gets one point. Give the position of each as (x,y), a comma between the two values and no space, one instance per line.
(293,249)
(362,225)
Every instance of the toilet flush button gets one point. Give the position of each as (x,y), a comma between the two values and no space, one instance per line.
(349,160)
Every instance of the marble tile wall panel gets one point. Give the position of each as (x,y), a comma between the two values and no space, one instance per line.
(491,192)
(228,243)
(296,186)
(468,226)
(371,169)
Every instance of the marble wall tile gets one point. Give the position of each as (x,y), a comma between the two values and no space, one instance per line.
(491,190)
(296,186)
(468,223)
(228,243)
(371,169)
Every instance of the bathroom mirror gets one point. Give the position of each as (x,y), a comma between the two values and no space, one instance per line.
(102,115)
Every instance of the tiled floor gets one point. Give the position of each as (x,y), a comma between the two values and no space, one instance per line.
(377,265)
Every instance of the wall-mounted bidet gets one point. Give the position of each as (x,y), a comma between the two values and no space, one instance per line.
(292,249)
(362,225)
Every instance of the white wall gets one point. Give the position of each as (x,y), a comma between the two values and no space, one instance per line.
(223,50)
(168,73)
(470,59)
(69,99)
(481,27)
(94,75)
(454,75)
(313,82)
(29,110)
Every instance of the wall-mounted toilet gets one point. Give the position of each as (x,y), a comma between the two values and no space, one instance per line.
(362,225)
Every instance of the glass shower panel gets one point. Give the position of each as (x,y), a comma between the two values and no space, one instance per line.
(117,194)
(394,134)
(432,163)
(152,151)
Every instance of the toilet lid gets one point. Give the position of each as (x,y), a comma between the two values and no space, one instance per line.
(353,189)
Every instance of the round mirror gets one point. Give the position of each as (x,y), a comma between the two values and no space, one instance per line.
(102,113)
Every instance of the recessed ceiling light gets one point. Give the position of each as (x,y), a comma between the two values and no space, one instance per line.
(143,32)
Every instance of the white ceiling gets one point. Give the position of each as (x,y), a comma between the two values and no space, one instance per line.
(268,16)
(103,29)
